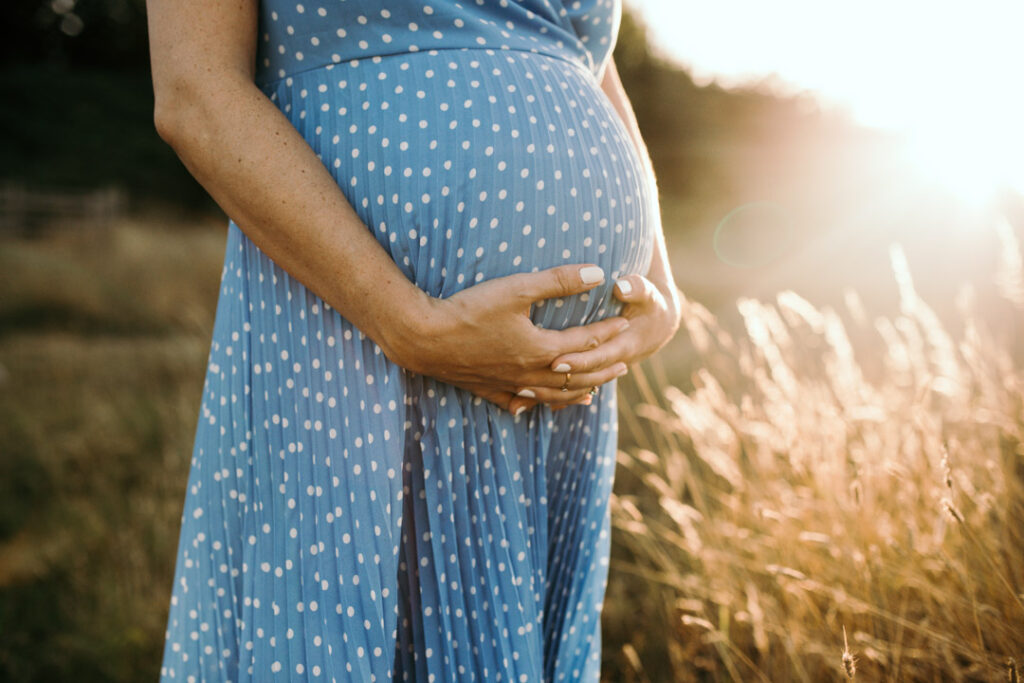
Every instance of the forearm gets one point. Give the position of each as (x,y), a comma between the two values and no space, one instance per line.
(265,176)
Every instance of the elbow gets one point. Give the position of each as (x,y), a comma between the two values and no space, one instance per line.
(178,103)
(165,121)
(170,111)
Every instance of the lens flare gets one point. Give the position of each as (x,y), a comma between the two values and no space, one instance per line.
(753,235)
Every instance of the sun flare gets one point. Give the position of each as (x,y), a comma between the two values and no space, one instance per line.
(946,76)
(976,165)
(972,144)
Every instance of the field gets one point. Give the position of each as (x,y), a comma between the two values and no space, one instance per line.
(812,512)
(103,341)
(805,492)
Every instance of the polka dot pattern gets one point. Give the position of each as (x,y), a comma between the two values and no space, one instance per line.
(346,520)
(296,37)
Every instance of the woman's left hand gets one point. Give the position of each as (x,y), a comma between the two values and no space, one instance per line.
(653,303)
(654,316)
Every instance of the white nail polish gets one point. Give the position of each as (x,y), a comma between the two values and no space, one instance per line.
(526,393)
(591,275)
(562,367)
(624,286)
(519,411)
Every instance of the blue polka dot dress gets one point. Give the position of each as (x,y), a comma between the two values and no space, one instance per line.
(347,520)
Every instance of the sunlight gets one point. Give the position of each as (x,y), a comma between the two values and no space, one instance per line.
(943,74)
(970,141)
(976,166)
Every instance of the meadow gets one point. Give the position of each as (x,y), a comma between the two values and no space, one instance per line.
(838,496)
(805,492)
(103,341)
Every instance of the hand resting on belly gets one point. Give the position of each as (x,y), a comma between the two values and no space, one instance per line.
(265,175)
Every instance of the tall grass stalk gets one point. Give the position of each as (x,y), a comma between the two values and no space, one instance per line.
(829,471)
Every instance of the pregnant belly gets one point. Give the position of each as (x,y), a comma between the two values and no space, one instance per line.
(473,164)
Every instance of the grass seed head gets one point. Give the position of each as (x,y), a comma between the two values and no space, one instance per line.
(947,472)
(950,509)
(849,661)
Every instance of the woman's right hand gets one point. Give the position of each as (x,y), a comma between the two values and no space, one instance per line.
(266,176)
(482,338)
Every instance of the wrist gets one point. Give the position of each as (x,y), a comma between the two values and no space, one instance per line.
(409,327)
(666,285)
(672,296)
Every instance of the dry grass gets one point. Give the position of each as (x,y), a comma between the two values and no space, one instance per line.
(810,487)
(837,496)
(103,341)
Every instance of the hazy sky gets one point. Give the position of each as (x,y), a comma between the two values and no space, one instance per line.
(884,58)
(948,72)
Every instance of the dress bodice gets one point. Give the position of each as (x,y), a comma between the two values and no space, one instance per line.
(309,34)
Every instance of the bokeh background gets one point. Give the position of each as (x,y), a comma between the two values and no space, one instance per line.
(821,478)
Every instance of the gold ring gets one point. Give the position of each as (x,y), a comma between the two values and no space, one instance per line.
(593,391)
(565,385)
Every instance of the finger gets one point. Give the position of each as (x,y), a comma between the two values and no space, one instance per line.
(633,289)
(578,386)
(503,399)
(585,401)
(555,396)
(583,337)
(517,406)
(555,282)
(555,377)
(619,349)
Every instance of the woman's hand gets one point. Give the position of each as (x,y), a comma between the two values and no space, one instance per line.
(653,310)
(482,339)
(654,316)
(653,306)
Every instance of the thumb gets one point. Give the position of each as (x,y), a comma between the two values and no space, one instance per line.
(503,399)
(633,289)
(557,282)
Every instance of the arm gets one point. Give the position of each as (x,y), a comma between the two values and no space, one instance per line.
(653,305)
(660,273)
(264,175)
(258,168)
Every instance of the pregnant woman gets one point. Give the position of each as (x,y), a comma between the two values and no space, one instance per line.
(444,247)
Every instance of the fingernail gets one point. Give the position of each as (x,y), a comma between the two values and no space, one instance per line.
(622,371)
(624,326)
(624,287)
(562,367)
(519,411)
(526,393)
(591,275)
